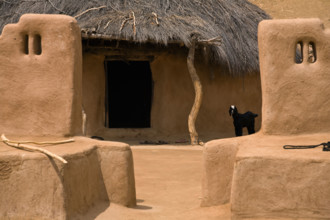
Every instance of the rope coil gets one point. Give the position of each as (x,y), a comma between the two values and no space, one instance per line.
(326,146)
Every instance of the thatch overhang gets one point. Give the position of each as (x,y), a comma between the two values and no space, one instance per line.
(233,23)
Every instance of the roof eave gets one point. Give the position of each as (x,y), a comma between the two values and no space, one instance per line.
(107,37)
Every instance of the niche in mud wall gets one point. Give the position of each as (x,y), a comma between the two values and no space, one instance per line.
(300,54)
(32,44)
(128,97)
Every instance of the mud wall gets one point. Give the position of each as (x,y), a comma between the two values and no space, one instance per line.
(295,95)
(173,97)
(93,92)
(40,74)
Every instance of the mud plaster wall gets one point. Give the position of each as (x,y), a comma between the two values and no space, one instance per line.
(173,98)
(40,93)
(295,96)
(93,91)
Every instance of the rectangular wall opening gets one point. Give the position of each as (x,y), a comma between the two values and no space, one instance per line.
(128,94)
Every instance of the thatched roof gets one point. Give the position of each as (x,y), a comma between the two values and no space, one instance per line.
(234,22)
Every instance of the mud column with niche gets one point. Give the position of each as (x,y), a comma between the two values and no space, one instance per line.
(41,75)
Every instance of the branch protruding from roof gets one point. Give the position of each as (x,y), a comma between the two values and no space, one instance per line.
(130,17)
(89,10)
(55,7)
(156,18)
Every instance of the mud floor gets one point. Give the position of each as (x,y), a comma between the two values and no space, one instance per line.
(168,186)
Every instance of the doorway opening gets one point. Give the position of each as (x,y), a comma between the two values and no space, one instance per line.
(128,94)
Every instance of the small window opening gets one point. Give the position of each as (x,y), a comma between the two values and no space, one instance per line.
(128,94)
(37,44)
(299,52)
(311,52)
(26,44)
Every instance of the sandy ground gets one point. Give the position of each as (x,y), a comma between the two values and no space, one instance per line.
(284,9)
(168,186)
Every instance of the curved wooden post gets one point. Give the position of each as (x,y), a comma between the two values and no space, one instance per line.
(198,94)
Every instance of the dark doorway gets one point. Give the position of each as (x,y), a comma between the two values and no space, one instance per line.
(128,94)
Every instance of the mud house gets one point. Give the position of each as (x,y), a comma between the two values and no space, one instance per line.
(135,80)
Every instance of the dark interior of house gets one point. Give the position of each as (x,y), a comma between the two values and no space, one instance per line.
(128,94)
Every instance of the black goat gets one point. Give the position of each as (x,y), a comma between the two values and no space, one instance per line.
(242,120)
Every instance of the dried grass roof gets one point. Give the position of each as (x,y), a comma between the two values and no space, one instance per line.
(235,22)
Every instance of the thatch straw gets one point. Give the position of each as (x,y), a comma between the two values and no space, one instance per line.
(162,21)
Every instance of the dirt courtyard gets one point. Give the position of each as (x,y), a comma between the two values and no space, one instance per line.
(168,186)
(288,9)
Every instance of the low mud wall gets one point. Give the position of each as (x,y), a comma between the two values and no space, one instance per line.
(260,179)
(36,187)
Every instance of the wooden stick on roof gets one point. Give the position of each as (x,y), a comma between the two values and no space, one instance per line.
(89,10)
